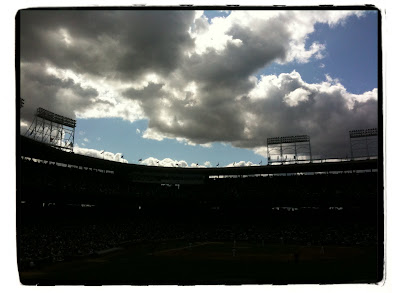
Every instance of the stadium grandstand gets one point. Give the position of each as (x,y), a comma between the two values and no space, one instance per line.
(85,220)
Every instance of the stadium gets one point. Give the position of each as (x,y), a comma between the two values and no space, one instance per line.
(85,220)
(191,91)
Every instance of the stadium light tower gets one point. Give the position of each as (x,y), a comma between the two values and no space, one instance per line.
(288,145)
(53,129)
(363,141)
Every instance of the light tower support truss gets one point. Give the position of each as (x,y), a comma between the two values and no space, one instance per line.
(363,142)
(53,129)
(288,148)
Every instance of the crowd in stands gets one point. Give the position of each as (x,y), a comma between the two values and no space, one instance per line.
(58,242)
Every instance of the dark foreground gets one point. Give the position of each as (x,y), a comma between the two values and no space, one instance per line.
(180,262)
(288,229)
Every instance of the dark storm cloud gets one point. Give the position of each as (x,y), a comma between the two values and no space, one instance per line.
(111,45)
(189,120)
(62,96)
(117,44)
(149,99)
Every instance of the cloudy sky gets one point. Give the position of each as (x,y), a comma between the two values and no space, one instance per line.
(201,87)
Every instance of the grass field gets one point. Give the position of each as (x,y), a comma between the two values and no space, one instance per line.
(181,262)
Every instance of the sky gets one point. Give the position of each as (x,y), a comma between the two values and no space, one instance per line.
(201,88)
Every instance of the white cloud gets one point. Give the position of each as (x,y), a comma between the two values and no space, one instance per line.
(302,55)
(362,98)
(153,134)
(86,139)
(241,164)
(198,14)
(137,131)
(167,162)
(117,157)
(298,95)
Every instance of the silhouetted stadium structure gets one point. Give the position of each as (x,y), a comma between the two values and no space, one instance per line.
(363,142)
(278,148)
(286,223)
(53,129)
